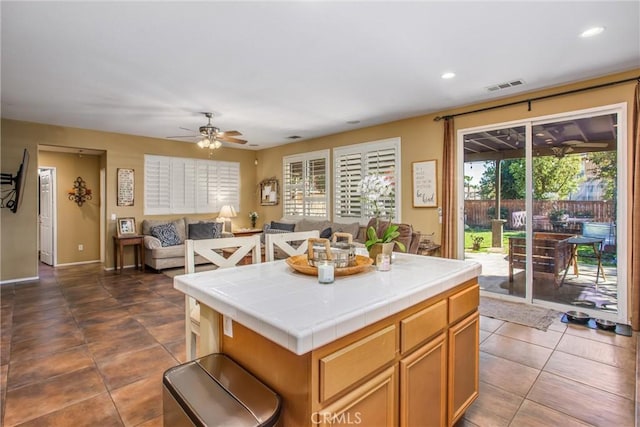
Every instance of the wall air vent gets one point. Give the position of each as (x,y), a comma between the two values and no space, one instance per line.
(505,85)
(294,137)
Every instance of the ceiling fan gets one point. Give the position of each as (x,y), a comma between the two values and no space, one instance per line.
(211,136)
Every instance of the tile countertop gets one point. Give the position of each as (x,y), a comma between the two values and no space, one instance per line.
(296,312)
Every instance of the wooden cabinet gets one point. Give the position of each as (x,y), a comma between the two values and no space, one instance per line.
(418,367)
(371,404)
(463,377)
(423,385)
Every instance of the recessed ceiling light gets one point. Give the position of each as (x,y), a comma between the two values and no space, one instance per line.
(448,75)
(540,134)
(592,32)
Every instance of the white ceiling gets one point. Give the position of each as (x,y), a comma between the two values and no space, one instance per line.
(275,69)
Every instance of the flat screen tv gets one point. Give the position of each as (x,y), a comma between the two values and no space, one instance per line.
(18,181)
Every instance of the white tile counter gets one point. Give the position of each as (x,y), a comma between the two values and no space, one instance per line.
(296,312)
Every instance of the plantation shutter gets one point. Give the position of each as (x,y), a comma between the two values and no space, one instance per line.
(176,185)
(304,191)
(351,164)
(157,184)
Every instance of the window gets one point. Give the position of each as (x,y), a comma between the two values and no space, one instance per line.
(179,185)
(305,193)
(354,162)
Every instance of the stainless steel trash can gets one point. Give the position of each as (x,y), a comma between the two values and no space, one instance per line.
(215,391)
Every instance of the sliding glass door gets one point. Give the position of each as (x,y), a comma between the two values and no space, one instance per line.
(540,210)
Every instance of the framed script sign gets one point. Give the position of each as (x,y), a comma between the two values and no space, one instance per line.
(424,182)
(125,187)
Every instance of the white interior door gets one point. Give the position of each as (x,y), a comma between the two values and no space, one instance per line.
(46,216)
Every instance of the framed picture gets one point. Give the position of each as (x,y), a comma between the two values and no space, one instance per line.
(126,227)
(424,184)
(125,187)
(269,192)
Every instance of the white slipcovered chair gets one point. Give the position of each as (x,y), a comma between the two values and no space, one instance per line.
(283,242)
(211,249)
(518,219)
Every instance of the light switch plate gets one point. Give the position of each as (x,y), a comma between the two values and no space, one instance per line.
(227,326)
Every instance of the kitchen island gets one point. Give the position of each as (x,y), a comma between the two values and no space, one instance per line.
(375,348)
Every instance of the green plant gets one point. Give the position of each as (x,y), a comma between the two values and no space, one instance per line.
(477,241)
(389,236)
(558,214)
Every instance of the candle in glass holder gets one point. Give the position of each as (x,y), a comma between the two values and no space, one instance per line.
(326,271)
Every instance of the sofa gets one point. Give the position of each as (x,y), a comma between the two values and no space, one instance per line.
(164,239)
(409,237)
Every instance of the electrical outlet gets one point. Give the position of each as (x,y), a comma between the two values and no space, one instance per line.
(81,247)
(227,323)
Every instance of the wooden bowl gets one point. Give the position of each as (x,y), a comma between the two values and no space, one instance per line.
(300,263)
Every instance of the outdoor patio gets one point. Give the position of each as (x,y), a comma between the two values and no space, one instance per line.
(579,290)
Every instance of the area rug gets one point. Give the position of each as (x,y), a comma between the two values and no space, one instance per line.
(173,272)
(522,314)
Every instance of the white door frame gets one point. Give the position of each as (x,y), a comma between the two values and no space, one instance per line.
(54,207)
(620,110)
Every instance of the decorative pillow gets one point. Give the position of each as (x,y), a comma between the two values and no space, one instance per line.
(282,226)
(167,234)
(272,231)
(205,230)
(326,233)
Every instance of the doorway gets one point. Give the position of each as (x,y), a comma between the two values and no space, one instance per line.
(541,203)
(47,215)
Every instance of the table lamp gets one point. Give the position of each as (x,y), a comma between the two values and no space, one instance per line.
(226,213)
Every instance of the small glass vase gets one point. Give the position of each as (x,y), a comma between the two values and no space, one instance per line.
(380,248)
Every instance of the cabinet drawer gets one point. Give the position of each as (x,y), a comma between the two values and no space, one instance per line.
(422,325)
(346,366)
(463,303)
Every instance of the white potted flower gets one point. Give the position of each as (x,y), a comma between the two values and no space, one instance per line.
(375,189)
(253,216)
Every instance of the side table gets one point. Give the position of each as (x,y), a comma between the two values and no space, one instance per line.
(246,232)
(118,248)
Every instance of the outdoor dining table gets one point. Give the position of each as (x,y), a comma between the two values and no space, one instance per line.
(595,243)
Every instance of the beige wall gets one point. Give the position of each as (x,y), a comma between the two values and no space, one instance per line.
(76,225)
(421,140)
(19,244)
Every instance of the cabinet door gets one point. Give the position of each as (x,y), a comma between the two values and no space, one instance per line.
(463,366)
(423,385)
(371,404)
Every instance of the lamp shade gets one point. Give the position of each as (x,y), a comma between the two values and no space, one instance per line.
(227,211)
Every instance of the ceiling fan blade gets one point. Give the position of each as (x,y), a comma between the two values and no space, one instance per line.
(231,133)
(182,136)
(187,129)
(230,139)
(578,143)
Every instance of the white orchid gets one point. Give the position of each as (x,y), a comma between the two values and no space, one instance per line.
(375,190)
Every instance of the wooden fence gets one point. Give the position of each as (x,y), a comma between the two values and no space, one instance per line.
(477,212)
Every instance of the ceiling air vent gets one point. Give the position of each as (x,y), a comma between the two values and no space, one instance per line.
(294,137)
(506,85)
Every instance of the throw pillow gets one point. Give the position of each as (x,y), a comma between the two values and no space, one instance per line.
(205,230)
(272,231)
(326,233)
(166,233)
(282,226)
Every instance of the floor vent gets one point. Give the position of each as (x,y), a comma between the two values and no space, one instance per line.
(506,85)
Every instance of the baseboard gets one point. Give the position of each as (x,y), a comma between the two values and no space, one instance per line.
(22,279)
(76,263)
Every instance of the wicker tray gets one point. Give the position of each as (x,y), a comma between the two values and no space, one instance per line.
(301,264)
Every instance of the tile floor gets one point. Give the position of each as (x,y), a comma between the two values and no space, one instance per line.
(82,346)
